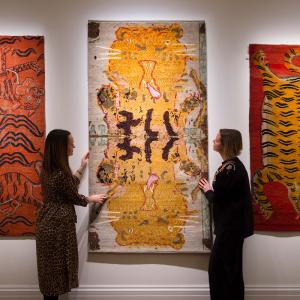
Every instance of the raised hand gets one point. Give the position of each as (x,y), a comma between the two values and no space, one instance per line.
(85,160)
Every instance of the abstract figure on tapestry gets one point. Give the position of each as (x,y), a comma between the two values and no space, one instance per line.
(21,132)
(152,101)
(280,129)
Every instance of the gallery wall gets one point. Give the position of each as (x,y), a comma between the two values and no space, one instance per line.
(271,260)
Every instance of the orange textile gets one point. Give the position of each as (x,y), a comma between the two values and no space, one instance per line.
(275,136)
(148,136)
(22,126)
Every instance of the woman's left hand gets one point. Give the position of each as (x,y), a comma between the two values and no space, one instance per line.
(204,185)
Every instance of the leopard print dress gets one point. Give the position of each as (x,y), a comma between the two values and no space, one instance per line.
(56,241)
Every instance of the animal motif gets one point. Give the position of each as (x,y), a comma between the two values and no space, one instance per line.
(16,188)
(21,140)
(147,69)
(17,94)
(280,132)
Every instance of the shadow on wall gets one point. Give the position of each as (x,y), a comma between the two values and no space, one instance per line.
(186,260)
(282,234)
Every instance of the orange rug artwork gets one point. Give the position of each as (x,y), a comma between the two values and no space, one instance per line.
(22,127)
(148,136)
(275,136)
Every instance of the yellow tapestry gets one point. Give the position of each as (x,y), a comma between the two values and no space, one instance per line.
(148,136)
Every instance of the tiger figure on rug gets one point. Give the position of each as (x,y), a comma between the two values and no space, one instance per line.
(147,106)
(280,131)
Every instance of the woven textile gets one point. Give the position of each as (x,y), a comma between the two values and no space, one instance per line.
(22,125)
(148,136)
(275,135)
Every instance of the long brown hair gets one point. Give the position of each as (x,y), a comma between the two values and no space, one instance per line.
(231,140)
(56,153)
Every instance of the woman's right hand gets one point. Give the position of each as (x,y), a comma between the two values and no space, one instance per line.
(99,198)
(204,185)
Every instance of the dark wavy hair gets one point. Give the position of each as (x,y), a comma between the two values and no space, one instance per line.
(56,152)
(231,140)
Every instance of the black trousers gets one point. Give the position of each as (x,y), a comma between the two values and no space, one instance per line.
(226,267)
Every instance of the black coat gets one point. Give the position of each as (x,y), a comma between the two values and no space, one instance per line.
(231,199)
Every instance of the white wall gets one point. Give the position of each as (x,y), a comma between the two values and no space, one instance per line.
(272,261)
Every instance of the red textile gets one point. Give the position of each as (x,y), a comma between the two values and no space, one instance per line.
(284,217)
(22,126)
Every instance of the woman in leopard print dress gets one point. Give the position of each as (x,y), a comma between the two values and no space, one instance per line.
(56,241)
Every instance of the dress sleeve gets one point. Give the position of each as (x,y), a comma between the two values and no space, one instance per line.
(69,188)
(77,180)
(210,195)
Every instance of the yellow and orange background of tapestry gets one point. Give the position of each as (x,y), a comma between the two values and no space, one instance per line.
(275,136)
(22,126)
(148,136)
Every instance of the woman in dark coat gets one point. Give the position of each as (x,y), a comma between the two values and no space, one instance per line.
(56,241)
(233,219)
